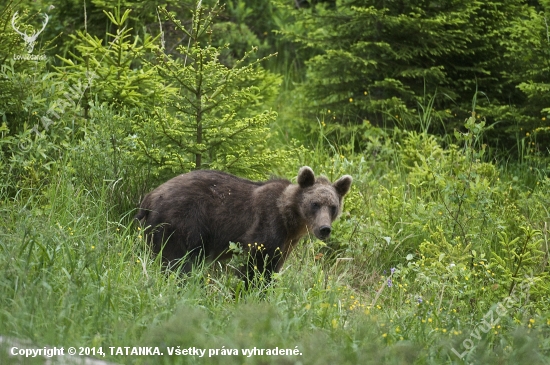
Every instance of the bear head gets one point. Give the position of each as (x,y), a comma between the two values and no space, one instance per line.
(321,201)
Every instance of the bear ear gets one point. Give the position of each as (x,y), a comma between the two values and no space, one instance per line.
(343,184)
(306,177)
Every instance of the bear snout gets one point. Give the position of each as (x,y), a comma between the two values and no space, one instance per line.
(325,231)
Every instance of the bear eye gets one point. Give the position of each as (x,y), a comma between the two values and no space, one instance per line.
(333,210)
(315,206)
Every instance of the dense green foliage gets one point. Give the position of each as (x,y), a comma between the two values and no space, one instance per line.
(388,62)
(379,58)
(438,109)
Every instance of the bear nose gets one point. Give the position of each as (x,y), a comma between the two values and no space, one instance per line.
(325,231)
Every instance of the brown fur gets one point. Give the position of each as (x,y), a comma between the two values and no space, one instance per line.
(196,215)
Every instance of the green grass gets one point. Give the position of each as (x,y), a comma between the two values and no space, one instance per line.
(76,272)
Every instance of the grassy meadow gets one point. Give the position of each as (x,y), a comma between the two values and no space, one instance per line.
(437,258)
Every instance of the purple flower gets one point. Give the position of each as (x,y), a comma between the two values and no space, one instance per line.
(419,299)
(392,270)
(389,283)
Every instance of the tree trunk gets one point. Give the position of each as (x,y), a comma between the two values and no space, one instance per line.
(198,155)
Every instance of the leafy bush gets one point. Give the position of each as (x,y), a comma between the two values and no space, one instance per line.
(34,127)
(106,154)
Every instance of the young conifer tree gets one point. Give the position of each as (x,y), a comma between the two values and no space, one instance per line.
(214,116)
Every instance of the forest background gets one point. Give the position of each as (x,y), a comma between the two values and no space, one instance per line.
(438,109)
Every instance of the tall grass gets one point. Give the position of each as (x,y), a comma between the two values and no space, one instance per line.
(76,272)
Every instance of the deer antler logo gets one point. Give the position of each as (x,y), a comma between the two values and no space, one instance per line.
(30,40)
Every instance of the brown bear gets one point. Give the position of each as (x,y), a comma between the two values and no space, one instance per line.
(196,215)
